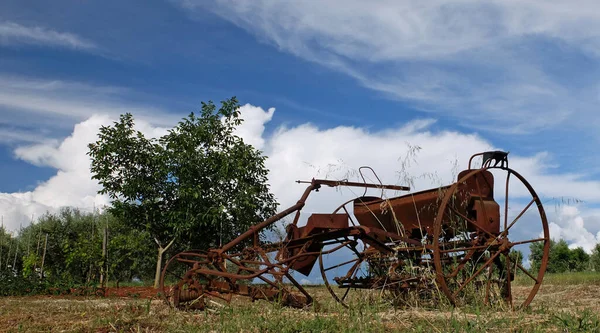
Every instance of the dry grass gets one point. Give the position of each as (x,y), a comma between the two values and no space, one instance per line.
(558,307)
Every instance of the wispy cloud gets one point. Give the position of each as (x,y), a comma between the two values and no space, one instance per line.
(28,104)
(12,135)
(491,65)
(12,34)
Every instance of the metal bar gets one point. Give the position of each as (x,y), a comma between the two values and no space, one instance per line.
(333,183)
(459,249)
(269,221)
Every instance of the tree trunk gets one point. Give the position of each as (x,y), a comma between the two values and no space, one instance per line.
(161,251)
(103,269)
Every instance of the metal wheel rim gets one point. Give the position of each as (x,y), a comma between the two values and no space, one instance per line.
(441,279)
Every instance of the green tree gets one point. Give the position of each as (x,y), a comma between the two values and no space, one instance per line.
(200,184)
(73,250)
(516,256)
(130,251)
(595,258)
(10,248)
(559,257)
(578,260)
(536,253)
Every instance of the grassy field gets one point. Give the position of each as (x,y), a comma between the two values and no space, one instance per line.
(565,303)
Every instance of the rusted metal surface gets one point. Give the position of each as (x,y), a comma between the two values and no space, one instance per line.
(453,238)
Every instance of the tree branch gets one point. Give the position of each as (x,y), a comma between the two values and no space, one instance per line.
(168,246)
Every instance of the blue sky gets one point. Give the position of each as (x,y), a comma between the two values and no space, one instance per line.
(172,62)
(452,78)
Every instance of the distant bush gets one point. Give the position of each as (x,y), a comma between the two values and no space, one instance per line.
(18,285)
(562,259)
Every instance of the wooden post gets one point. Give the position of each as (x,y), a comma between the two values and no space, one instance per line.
(29,237)
(104,249)
(16,252)
(37,252)
(8,255)
(37,249)
(89,274)
(44,257)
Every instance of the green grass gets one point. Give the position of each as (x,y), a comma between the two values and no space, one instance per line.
(565,303)
(571,278)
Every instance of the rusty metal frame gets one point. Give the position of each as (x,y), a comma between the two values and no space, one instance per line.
(470,200)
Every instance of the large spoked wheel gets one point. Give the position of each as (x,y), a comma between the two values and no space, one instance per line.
(475,262)
(345,271)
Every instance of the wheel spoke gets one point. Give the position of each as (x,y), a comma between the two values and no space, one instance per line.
(462,264)
(175,275)
(520,215)
(476,273)
(527,273)
(506,202)
(471,221)
(528,241)
(345,294)
(337,293)
(342,264)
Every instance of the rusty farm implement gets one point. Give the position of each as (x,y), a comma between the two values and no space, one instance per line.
(457,241)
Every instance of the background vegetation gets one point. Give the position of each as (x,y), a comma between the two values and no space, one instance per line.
(73,254)
(198,186)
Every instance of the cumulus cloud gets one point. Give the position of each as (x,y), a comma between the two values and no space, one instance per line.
(570,225)
(488,64)
(412,155)
(12,34)
(305,281)
(72,185)
(253,126)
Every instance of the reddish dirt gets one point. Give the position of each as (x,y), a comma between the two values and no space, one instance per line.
(125,292)
(132,292)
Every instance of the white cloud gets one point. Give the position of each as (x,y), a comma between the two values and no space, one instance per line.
(16,34)
(485,63)
(51,104)
(570,225)
(72,184)
(253,126)
(305,151)
(305,282)
(14,135)
(389,30)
